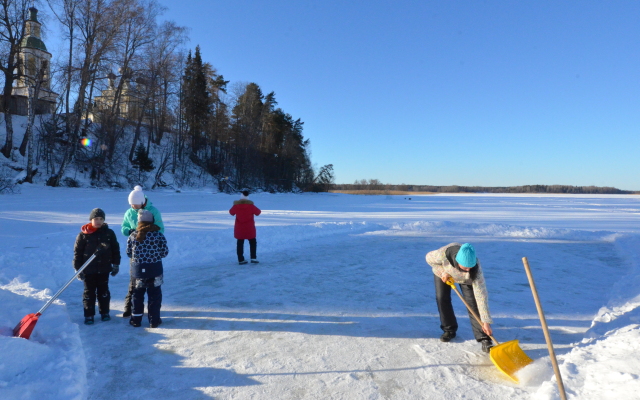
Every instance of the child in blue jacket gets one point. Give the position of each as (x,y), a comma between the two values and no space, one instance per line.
(147,246)
(138,201)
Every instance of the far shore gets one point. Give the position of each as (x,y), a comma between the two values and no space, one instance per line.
(406,193)
(380,192)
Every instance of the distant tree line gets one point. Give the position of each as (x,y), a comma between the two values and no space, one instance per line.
(376,185)
(153,111)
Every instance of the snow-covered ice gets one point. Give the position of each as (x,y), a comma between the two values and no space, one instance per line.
(341,305)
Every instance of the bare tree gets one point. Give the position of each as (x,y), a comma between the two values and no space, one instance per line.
(34,93)
(163,166)
(66,13)
(159,59)
(93,26)
(13,15)
(135,32)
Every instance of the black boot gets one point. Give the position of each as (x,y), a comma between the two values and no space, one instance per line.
(447,336)
(487,344)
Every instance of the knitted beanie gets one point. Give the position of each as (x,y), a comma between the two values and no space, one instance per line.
(466,256)
(136,197)
(145,216)
(95,213)
(245,194)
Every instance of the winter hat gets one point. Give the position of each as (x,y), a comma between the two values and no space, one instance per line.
(466,256)
(95,213)
(245,194)
(145,216)
(136,196)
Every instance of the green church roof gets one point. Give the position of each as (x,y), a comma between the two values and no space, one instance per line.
(33,14)
(33,43)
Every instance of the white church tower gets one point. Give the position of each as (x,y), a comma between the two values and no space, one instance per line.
(34,56)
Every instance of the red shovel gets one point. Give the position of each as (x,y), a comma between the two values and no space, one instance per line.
(25,327)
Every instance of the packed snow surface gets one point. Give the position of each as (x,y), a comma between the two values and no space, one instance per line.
(341,305)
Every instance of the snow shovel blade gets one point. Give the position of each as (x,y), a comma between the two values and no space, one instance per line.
(26,325)
(509,358)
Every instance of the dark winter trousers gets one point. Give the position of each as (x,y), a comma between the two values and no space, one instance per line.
(96,284)
(253,245)
(154,296)
(127,299)
(448,321)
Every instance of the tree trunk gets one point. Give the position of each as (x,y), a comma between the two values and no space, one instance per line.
(32,102)
(136,136)
(7,102)
(8,144)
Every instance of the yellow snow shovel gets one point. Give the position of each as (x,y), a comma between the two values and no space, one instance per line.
(508,356)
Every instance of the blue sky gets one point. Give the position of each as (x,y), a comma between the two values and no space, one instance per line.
(486,93)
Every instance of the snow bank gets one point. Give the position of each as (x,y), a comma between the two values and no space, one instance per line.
(606,364)
(52,363)
(497,230)
(603,368)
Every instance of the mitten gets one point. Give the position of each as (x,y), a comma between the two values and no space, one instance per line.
(81,276)
(114,269)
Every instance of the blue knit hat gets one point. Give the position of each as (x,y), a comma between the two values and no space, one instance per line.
(466,256)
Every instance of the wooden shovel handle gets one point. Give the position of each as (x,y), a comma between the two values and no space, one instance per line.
(453,286)
(545,329)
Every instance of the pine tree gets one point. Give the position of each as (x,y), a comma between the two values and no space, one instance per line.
(247,123)
(196,101)
(142,162)
(324,179)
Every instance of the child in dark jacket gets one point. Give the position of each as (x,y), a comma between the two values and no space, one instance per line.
(146,246)
(93,236)
(245,227)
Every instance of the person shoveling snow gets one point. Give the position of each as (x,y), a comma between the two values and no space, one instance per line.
(457,263)
(460,263)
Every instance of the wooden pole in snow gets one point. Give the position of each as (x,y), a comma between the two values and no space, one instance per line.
(545,329)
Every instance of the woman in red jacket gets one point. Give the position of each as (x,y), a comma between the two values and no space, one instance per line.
(245,227)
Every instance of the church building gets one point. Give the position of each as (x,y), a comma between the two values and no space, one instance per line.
(34,56)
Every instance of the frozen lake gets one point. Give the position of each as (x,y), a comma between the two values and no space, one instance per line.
(341,305)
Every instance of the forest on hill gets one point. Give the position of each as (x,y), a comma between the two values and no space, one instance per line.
(135,106)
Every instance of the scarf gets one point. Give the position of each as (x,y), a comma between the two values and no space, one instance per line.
(88,229)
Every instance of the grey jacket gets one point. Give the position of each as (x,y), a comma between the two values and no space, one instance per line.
(440,264)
